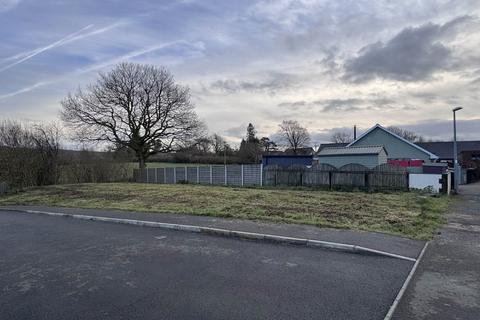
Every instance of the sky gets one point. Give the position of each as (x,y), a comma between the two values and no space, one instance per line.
(328,64)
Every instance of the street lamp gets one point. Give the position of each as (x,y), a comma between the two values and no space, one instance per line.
(455,153)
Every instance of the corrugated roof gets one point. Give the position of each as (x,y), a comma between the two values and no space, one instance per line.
(344,151)
(332,145)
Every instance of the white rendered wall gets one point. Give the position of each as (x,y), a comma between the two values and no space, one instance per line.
(422,181)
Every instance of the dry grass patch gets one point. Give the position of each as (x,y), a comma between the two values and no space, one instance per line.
(408,214)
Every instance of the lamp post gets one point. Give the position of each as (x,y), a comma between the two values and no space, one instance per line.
(455,153)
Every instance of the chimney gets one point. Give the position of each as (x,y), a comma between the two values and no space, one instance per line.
(354,132)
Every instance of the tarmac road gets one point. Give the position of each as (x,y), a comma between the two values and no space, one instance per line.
(60,268)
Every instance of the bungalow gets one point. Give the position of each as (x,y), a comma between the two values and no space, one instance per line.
(398,151)
(397,147)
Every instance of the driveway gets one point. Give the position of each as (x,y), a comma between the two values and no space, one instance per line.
(59,268)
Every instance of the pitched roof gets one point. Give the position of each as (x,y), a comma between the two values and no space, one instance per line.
(331,145)
(377,126)
(344,151)
(444,149)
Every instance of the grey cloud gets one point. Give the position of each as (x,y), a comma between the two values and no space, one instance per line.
(325,136)
(332,105)
(437,97)
(435,130)
(348,104)
(274,82)
(294,105)
(236,131)
(442,129)
(414,54)
(6,5)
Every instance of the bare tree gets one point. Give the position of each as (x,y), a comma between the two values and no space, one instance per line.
(268,145)
(135,106)
(341,137)
(293,135)
(29,153)
(218,143)
(406,134)
(46,139)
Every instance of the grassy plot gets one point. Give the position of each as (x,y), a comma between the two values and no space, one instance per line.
(408,214)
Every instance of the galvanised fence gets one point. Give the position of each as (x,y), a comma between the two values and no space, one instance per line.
(230,175)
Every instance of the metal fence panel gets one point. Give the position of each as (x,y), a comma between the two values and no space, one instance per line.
(218,175)
(192,174)
(160,175)
(204,174)
(234,175)
(180,174)
(151,175)
(252,174)
(170,175)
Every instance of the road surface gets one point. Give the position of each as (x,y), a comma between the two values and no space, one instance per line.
(61,268)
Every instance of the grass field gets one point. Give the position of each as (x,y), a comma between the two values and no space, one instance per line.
(408,214)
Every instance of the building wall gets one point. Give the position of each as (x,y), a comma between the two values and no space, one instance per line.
(369,161)
(286,161)
(396,148)
(382,157)
(422,181)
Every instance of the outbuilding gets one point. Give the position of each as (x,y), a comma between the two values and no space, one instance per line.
(368,156)
(284,160)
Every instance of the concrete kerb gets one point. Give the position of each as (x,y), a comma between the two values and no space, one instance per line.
(225,233)
(404,287)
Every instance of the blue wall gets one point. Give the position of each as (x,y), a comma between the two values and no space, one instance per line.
(287,160)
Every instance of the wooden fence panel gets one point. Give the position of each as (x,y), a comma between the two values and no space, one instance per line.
(315,177)
(349,176)
(270,175)
(348,179)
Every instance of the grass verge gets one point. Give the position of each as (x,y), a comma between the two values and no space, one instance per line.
(404,213)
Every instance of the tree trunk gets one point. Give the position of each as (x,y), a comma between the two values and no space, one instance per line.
(141,163)
(141,168)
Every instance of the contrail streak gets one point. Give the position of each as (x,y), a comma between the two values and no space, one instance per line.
(28,55)
(93,67)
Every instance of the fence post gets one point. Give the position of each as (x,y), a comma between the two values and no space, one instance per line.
(165,175)
(330,174)
(198,175)
(242,174)
(186,174)
(211,175)
(367,182)
(276,176)
(156,175)
(225,174)
(146,169)
(174,175)
(261,175)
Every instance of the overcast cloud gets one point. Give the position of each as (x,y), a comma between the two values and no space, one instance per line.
(328,64)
